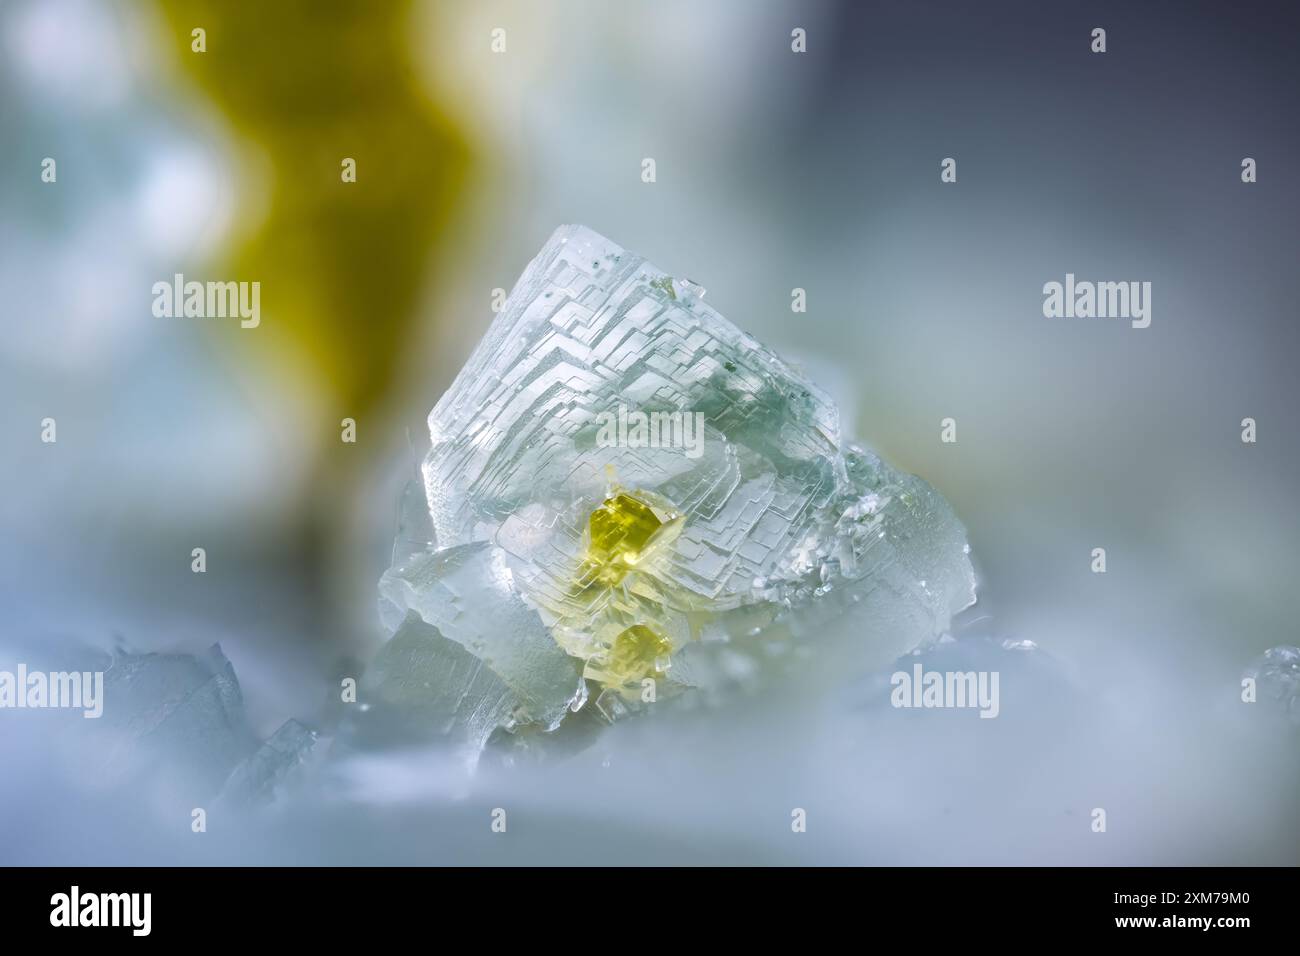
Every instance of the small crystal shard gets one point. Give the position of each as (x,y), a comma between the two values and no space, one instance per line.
(1276,673)
(624,487)
(268,770)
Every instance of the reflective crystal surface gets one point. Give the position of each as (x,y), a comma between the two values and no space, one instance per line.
(627,490)
(468,594)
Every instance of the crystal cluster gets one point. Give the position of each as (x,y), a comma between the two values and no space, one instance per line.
(572,563)
(179,719)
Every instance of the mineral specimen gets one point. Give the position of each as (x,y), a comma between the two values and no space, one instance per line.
(574,559)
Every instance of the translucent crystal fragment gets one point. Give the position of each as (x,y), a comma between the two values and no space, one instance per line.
(176,712)
(468,594)
(1276,673)
(424,689)
(648,493)
(269,769)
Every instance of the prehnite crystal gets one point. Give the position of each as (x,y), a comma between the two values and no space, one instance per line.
(590,544)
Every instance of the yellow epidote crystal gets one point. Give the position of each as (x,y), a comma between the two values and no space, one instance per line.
(621,528)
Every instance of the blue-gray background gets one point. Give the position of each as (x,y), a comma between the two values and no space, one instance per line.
(775,170)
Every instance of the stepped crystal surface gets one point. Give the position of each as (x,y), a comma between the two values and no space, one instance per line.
(625,488)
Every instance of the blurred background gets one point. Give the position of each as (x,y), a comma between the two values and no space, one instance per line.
(775,170)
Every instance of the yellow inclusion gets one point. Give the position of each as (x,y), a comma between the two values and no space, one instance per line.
(624,533)
(636,653)
(620,530)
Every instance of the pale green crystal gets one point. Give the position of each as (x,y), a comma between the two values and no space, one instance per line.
(770,528)
(467,593)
